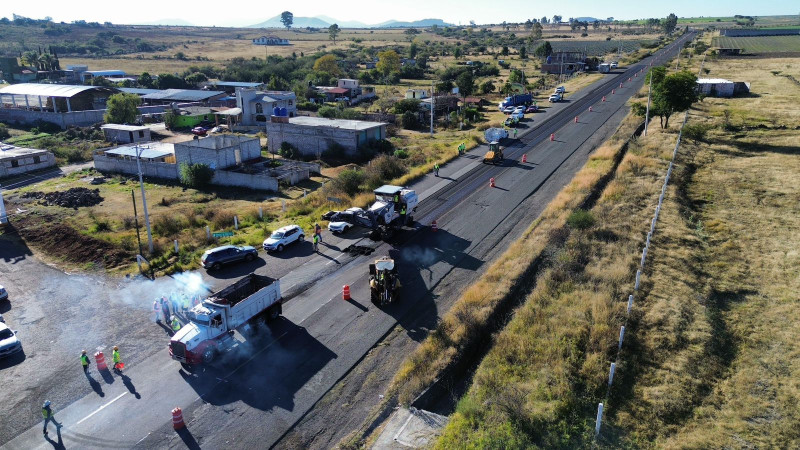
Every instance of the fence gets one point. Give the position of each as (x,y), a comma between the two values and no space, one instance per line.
(637,280)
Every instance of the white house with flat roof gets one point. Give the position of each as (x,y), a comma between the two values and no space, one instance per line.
(18,160)
(257,106)
(125,134)
(314,135)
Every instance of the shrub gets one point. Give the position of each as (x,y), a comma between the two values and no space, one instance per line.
(580,219)
(406,105)
(400,154)
(409,120)
(196,175)
(696,131)
(328,112)
(382,169)
(168,225)
(349,181)
(4,134)
(288,151)
(472,114)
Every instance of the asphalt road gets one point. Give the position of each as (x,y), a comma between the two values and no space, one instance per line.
(260,390)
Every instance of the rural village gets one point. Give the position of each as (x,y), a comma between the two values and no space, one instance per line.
(550,232)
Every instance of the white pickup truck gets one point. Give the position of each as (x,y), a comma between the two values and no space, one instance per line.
(253,299)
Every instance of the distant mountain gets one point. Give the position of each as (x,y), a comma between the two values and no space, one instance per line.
(343,23)
(325,22)
(299,22)
(416,23)
(174,22)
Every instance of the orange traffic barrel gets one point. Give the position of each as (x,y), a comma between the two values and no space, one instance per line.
(346,292)
(101,361)
(177,419)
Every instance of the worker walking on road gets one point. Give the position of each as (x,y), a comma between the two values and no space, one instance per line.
(515,133)
(85,361)
(47,413)
(118,364)
(165,309)
(318,231)
(185,305)
(176,326)
(436,169)
(316,243)
(403,215)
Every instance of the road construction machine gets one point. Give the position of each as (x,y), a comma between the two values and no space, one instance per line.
(495,154)
(384,284)
(393,209)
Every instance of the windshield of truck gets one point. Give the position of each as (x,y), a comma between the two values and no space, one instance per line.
(200,320)
(277,235)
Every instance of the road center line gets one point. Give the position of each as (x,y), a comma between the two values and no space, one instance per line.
(101,408)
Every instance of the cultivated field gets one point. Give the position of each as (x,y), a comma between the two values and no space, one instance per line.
(760,44)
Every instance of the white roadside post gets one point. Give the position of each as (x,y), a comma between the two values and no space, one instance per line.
(3,216)
(236,222)
(144,200)
(599,419)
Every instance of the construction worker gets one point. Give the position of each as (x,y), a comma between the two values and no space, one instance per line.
(515,133)
(165,309)
(397,198)
(185,305)
(176,326)
(156,310)
(85,361)
(116,359)
(403,214)
(173,299)
(316,242)
(47,413)
(318,231)
(436,169)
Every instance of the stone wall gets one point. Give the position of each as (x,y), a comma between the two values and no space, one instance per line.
(150,169)
(310,140)
(218,152)
(245,180)
(26,164)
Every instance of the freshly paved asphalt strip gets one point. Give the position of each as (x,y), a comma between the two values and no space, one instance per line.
(258,391)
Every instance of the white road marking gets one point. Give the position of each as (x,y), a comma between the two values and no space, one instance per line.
(333,261)
(101,408)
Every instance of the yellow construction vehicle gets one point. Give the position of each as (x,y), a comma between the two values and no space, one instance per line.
(384,284)
(495,154)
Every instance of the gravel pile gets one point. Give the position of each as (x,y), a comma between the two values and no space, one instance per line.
(71,198)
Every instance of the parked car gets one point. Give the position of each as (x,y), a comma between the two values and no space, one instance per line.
(560,90)
(339,227)
(227,254)
(511,122)
(199,131)
(614,64)
(3,293)
(518,109)
(282,237)
(518,115)
(555,98)
(9,344)
(532,109)
(508,110)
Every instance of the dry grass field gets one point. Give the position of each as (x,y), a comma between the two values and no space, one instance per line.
(716,342)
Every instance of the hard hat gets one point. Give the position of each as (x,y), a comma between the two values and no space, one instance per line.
(116,348)
(46,403)
(83,352)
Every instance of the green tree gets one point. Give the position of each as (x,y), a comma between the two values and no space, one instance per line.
(670,23)
(504,51)
(169,81)
(537,31)
(327,63)
(488,87)
(465,83)
(333,31)
(457,52)
(543,50)
(676,93)
(516,76)
(145,80)
(523,54)
(122,108)
(444,86)
(349,181)
(196,175)
(409,120)
(287,19)
(388,62)
(196,78)
(405,105)
(412,50)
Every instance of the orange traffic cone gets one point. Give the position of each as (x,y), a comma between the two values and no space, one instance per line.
(177,419)
(524,158)
(576,119)
(552,137)
(491,182)
(434,227)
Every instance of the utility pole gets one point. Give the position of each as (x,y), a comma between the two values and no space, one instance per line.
(433,104)
(144,200)
(647,113)
(136,221)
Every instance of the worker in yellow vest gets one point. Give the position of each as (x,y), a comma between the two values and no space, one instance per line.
(47,413)
(85,361)
(118,365)
(175,325)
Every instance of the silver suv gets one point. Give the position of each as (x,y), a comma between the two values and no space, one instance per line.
(282,237)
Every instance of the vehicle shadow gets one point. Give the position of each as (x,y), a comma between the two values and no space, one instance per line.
(422,263)
(265,371)
(236,270)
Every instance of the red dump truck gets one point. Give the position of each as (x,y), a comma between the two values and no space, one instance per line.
(243,305)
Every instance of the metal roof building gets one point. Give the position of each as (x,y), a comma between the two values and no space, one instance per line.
(153,151)
(139,91)
(183,95)
(55,97)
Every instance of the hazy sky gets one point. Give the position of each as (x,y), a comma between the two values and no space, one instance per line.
(248,12)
